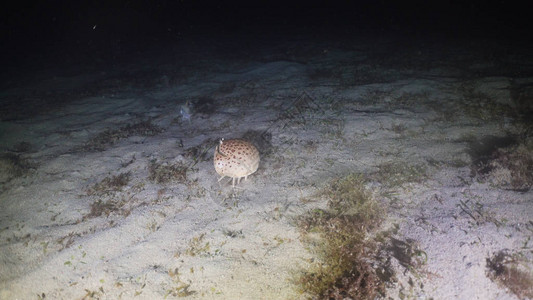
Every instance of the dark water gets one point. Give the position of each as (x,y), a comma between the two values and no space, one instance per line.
(55,52)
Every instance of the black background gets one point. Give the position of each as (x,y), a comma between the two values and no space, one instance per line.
(37,31)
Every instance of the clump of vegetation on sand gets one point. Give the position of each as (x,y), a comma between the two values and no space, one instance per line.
(512,271)
(340,236)
(164,172)
(12,166)
(505,162)
(107,190)
(512,167)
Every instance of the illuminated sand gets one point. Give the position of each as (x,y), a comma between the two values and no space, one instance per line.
(67,232)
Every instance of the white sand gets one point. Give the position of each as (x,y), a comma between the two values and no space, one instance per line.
(378,104)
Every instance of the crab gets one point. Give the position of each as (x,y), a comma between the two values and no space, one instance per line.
(235,158)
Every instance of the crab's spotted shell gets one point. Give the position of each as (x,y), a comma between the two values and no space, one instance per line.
(236,159)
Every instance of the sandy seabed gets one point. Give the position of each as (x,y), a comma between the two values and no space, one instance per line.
(112,194)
